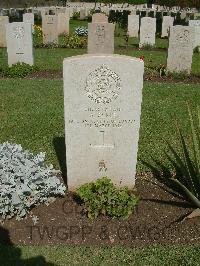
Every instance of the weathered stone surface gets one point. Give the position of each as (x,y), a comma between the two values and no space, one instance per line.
(101,38)
(99,18)
(63,23)
(133,25)
(166,24)
(102,99)
(196,25)
(28,18)
(50,29)
(19,43)
(4,20)
(147,31)
(180,50)
(82,13)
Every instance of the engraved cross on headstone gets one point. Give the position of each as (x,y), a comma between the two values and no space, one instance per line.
(103,144)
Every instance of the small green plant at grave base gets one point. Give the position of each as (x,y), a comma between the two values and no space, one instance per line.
(25,181)
(162,69)
(147,47)
(74,41)
(102,197)
(179,75)
(18,70)
(197,49)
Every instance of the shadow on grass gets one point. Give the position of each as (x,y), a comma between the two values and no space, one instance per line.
(11,255)
(59,146)
(164,175)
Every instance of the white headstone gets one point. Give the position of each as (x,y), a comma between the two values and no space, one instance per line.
(63,23)
(82,13)
(133,25)
(19,43)
(102,99)
(4,20)
(28,18)
(166,24)
(50,29)
(180,50)
(196,25)
(101,38)
(147,31)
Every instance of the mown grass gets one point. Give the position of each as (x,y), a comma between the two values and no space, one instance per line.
(31,113)
(68,255)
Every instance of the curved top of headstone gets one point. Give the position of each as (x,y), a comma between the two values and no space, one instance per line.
(99,17)
(103,56)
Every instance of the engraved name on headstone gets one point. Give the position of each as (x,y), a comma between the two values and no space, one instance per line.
(19,43)
(102,101)
(180,50)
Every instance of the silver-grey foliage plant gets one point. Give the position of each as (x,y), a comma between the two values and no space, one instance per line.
(25,181)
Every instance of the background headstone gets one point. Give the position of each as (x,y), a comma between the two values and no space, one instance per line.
(101,38)
(99,18)
(63,23)
(180,50)
(196,25)
(166,24)
(82,13)
(102,99)
(147,31)
(133,25)
(50,29)
(19,43)
(4,20)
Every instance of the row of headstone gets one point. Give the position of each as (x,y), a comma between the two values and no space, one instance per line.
(101,40)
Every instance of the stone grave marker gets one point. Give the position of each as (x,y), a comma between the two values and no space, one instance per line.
(28,18)
(4,20)
(180,50)
(168,22)
(19,43)
(102,102)
(101,38)
(147,31)
(82,13)
(99,18)
(196,25)
(63,23)
(50,29)
(133,25)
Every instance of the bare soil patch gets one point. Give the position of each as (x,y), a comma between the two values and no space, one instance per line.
(157,220)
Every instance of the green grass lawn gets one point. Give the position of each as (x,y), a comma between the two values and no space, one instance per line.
(105,256)
(31,113)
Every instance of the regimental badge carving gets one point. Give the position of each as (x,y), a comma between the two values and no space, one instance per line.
(183,36)
(103,85)
(18,32)
(102,166)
